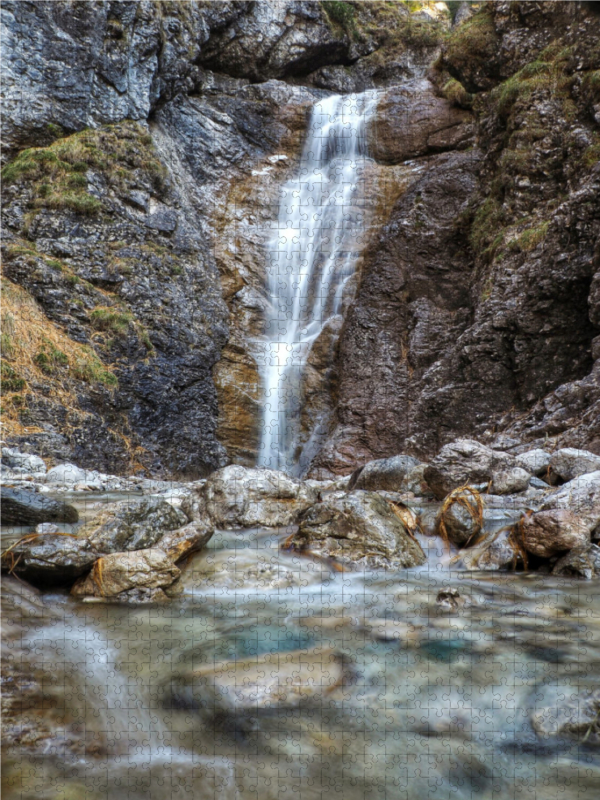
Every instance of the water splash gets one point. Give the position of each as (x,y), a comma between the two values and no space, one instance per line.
(311,256)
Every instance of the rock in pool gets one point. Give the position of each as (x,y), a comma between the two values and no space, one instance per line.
(49,559)
(117,573)
(547,533)
(29,507)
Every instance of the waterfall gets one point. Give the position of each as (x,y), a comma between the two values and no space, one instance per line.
(310,257)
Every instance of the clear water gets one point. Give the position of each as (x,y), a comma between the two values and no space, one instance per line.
(310,257)
(441,711)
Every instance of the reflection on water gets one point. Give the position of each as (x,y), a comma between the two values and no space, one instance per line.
(434,700)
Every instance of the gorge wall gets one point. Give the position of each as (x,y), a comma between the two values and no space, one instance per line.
(144,147)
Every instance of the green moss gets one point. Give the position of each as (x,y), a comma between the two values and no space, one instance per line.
(475,39)
(489,219)
(88,368)
(49,358)
(530,238)
(340,13)
(456,93)
(106,318)
(591,155)
(10,379)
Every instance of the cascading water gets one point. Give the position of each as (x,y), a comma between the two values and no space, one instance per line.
(311,256)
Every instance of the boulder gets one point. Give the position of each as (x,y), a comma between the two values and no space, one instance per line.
(66,475)
(569,463)
(582,496)
(360,530)
(568,712)
(462,462)
(461,525)
(414,481)
(132,525)
(29,507)
(536,462)
(236,497)
(263,683)
(581,562)
(178,544)
(510,481)
(122,572)
(429,123)
(49,559)
(384,474)
(547,533)
(24,463)
(497,550)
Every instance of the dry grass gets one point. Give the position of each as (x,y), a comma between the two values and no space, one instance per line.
(468,498)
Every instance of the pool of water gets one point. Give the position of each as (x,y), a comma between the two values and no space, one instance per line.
(435,702)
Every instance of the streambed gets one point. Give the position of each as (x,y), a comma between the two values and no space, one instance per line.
(429,684)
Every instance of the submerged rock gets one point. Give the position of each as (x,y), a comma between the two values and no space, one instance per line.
(581,562)
(359,530)
(122,572)
(236,497)
(510,481)
(569,463)
(132,525)
(384,474)
(547,533)
(463,462)
(570,713)
(265,682)
(50,558)
(28,507)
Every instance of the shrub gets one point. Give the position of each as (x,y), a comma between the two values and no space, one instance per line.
(106,318)
(11,380)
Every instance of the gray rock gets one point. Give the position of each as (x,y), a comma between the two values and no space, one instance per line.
(569,712)
(28,507)
(69,475)
(414,481)
(384,474)
(236,497)
(22,462)
(360,530)
(581,562)
(496,551)
(582,496)
(461,526)
(132,525)
(536,462)
(180,543)
(47,527)
(49,559)
(510,481)
(462,462)
(569,463)
(547,533)
(121,572)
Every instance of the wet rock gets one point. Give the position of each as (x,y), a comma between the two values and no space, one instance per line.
(450,599)
(28,507)
(536,462)
(132,525)
(464,461)
(414,481)
(180,543)
(359,530)
(49,559)
(236,497)
(581,562)
(429,123)
(22,462)
(47,527)
(582,496)
(572,713)
(71,477)
(121,572)
(547,533)
(462,526)
(384,474)
(497,550)
(266,682)
(134,597)
(569,463)
(510,481)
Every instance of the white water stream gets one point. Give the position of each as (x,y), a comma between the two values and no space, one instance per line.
(311,256)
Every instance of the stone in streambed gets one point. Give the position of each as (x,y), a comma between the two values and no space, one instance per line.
(582,496)
(359,530)
(462,462)
(23,463)
(569,463)
(581,562)
(29,507)
(569,712)
(536,462)
(121,572)
(178,544)
(384,474)
(547,533)
(132,525)
(496,551)
(510,481)
(49,559)
(237,497)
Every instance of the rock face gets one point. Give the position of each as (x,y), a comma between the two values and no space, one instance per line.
(464,462)
(360,530)
(123,572)
(547,533)
(28,507)
(131,525)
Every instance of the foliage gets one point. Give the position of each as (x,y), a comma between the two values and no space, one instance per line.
(11,380)
(106,318)
(340,12)
(476,38)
